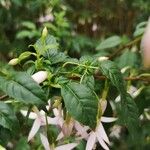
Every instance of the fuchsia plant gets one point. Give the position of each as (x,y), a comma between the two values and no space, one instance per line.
(65,98)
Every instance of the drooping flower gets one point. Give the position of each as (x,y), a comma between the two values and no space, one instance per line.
(40,120)
(40,76)
(68,127)
(99,134)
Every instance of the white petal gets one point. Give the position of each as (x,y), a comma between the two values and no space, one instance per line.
(102,134)
(67,146)
(60,136)
(118,99)
(81,130)
(60,121)
(53,121)
(108,119)
(102,143)
(32,115)
(136,93)
(56,112)
(102,58)
(132,89)
(35,127)
(40,76)
(42,112)
(45,142)
(91,141)
(49,105)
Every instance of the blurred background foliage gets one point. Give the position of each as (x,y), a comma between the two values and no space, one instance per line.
(79,27)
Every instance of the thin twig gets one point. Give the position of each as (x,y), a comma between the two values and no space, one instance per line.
(101,77)
(3,97)
(126,78)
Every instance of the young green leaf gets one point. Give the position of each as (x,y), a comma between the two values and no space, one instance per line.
(81,103)
(24,55)
(128,114)
(23,34)
(54,56)
(112,72)
(89,82)
(22,87)
(7,116)
(29,25)
(110,42)
(129,58)
(42,45)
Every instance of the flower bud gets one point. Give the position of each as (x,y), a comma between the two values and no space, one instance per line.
(145,45)
(40,76)
(44,32)
(102,58)
(13,62)
(67,128)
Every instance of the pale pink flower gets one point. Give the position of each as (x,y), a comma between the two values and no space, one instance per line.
(40,120)
(99,134)
(145,44)
(67,127)
(46,18)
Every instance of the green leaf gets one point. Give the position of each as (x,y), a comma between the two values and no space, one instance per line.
(126,108)
(22,87)
(29,25)
(112,72)
(141,24)
(138,32)
(88,60)
(54,56)
(42,45)
(140,28)
(89,82)
(22,144)
(128,114)
(128,58)
(82,145)
(24,55)
(7,116)
(23,34)
(81,103)
(110,42)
